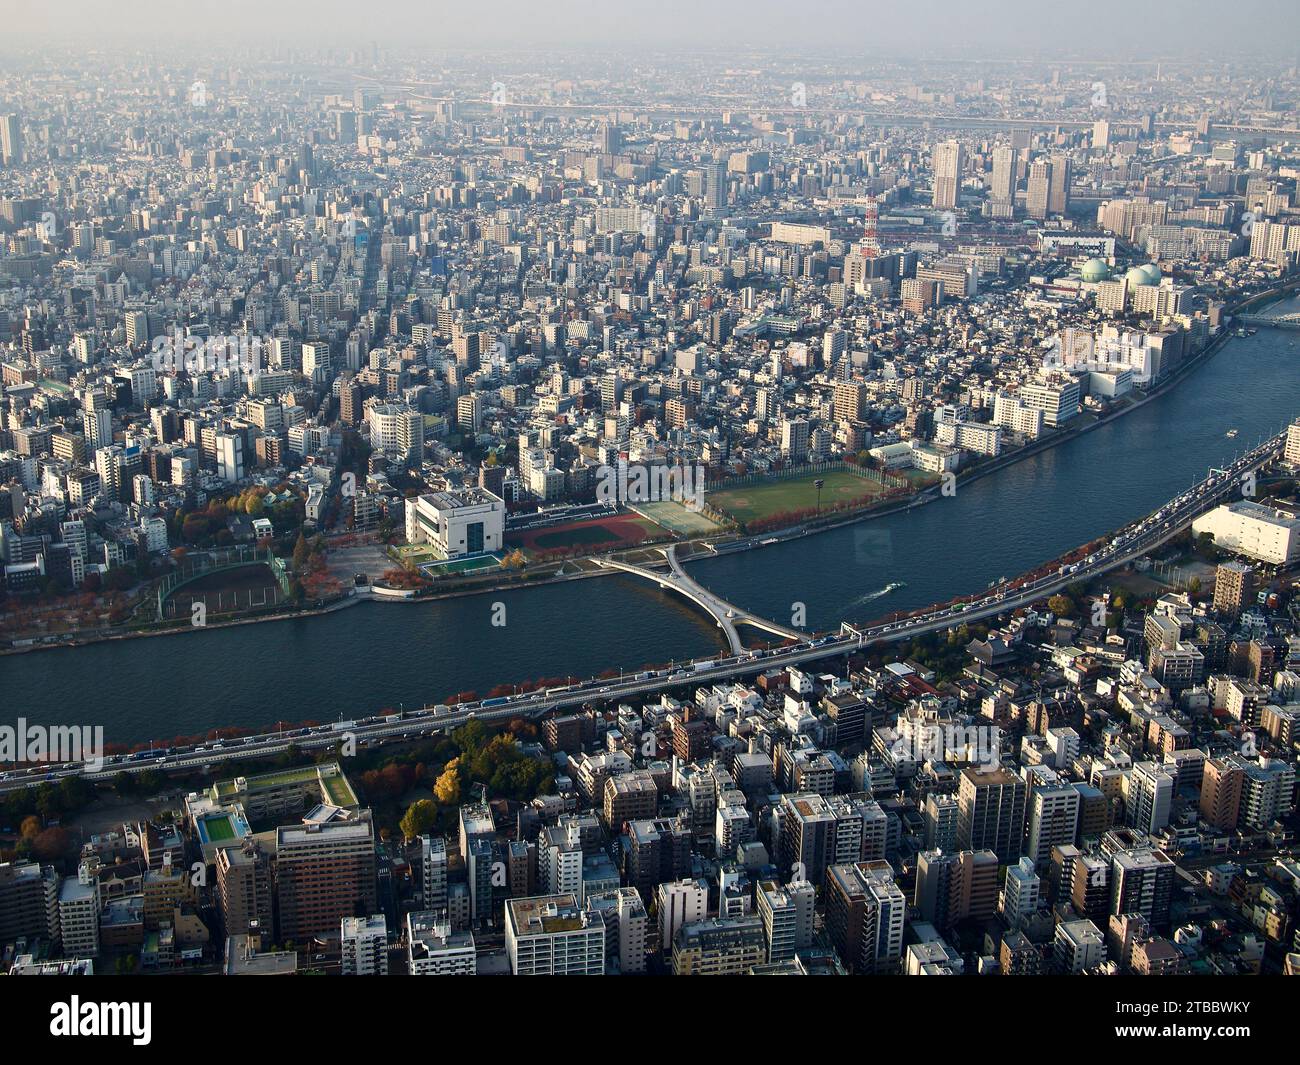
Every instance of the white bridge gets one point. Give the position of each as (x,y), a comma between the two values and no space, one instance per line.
(1277,321)
(728,616)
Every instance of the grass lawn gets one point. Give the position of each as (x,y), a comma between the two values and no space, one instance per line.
(579,535)
(461,565)
(678,518)
(340,794)
(218,829)
(753,502)
(416,553)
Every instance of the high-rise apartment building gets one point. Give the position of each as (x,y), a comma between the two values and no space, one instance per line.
(719,946)
(865,911)
(949,161)
(787,915)
(991,812)
(29,901)
(956,887)
(1053,820)
(434,949)
(550,935)
(244,887)
(324,871)
(363,945)
(1234,587)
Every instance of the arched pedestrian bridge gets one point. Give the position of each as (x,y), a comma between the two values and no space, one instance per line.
(728,616)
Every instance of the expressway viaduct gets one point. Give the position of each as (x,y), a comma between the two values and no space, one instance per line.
(1128,544)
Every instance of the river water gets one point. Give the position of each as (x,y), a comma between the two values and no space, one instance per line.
(357,661)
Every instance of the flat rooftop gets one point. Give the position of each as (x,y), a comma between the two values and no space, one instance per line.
(546,915)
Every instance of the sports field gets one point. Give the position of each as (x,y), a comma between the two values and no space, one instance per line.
(679,518)
(623,530)
(460,565)
(763,499)
(217,828)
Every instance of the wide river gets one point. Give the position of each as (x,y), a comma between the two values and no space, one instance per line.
(376,655)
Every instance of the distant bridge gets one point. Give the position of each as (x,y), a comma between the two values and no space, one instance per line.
(727,615)
(1277,321)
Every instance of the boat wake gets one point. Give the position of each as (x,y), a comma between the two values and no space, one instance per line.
(879,593)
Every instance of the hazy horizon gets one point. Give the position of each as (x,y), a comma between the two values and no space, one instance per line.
(992,30)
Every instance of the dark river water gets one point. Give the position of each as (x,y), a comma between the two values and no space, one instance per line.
(356,661)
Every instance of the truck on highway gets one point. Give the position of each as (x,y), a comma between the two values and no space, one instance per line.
(700,667)
(343,726)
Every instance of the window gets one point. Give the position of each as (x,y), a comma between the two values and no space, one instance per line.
(474,537)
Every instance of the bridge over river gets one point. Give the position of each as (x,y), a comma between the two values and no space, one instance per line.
(727,615)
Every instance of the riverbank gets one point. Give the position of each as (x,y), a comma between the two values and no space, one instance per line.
(726,544)
(358,662)
(181,630)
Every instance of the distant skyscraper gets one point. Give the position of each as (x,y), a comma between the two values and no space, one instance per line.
(11,139)
(1002,189)
(1058,186)
(1038,190)
(715,185)
(948,161)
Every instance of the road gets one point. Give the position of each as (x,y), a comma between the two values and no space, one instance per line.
(1127,544)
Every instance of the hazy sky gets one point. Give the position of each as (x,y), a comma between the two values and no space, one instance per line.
(994,28)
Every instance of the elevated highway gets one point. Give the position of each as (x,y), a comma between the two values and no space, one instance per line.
(1129,543)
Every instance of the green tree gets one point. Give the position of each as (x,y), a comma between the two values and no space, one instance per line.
(420,817)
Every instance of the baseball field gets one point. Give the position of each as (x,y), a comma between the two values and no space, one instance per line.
(762,499)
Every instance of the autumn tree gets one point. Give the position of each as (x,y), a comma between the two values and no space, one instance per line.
(1061,605)
(300,553)
(420,817)
(448,786)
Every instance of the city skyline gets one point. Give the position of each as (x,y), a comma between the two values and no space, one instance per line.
(741,489)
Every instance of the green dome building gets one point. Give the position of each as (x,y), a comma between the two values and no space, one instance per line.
(1094,270)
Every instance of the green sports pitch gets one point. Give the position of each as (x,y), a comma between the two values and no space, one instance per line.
(763,499)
